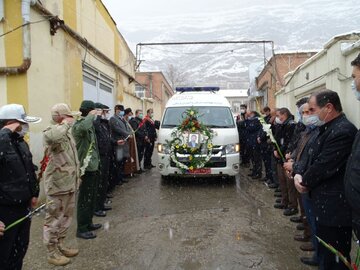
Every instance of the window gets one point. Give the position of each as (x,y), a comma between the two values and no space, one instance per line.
(139,91)
(98,87)
(213,117)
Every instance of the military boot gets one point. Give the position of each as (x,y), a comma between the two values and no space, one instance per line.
(66,251)
(55,258)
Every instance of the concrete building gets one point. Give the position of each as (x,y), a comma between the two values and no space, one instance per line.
(154,88)
(236,97)
(62,51)
(328,69)
(271,78)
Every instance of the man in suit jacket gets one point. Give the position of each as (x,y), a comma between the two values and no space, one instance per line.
(119,131)
(324,176)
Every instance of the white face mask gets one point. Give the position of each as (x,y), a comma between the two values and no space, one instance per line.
(355,90)
(242,111)
(105,117)
(24,130)
(278,121)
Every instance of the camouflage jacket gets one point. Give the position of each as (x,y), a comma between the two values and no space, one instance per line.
(62,173)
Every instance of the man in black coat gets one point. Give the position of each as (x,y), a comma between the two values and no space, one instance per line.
(284,131)
(324,176)
(106,145)
(152,136)
(18,185)
(253,127)
(266,150)
(241,126)
(138,125)
(352,176)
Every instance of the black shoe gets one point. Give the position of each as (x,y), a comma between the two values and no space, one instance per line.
(290,212)
(109,196)
(273,185)
(153,166)
(296,219)
(309,261)
(251,174)
(300,227)
(125,180)
(94,227)
(279,206)
(100,213)
(278,200)
(256,176)
(86,235)
(108,201)
(106,208)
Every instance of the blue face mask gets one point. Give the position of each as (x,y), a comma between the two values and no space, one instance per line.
(299,116)
(355,90)
(121,113)
(141,116)
(312,120)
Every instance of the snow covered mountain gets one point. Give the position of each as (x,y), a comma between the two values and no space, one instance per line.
(292,25)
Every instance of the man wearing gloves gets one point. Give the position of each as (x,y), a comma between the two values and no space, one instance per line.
(62,179)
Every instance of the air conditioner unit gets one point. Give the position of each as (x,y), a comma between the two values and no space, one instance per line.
(140,94)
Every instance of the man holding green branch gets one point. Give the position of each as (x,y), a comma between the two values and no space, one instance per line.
(84,133)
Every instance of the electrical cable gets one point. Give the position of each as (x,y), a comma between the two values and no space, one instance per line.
(200,53)
(25,24)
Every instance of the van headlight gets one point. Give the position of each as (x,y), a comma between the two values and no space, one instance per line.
(232,148)
(163,148)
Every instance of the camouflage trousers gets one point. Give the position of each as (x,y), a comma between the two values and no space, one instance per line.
(59,214)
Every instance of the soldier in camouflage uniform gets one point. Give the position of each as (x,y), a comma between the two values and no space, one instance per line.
(62,179)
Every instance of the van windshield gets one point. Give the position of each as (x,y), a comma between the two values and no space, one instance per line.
(213,117)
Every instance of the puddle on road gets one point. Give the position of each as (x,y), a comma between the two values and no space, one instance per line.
(191,242)
(190,265)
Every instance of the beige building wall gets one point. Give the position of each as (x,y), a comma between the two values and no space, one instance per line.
(56,72)
(329,69)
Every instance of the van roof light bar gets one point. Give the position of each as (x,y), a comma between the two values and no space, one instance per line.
(198,89)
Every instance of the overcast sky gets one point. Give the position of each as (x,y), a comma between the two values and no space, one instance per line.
(294,25)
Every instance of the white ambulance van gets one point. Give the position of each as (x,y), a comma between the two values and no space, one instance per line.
(214,112)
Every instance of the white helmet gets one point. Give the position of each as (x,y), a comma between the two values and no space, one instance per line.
(17,112)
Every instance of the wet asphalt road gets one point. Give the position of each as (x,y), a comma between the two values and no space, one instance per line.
(186,224)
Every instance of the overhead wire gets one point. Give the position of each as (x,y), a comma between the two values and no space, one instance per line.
(199,53)
(25,24)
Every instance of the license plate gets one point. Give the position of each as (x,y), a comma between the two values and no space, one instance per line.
(200,171)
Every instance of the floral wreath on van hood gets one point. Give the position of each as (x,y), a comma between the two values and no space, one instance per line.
(196,157)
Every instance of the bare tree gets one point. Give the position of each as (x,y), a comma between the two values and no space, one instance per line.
(175,76)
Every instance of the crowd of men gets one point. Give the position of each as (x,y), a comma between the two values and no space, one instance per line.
(87,154)
(313,168)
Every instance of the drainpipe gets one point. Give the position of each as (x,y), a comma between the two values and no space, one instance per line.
(1,10)
(25,13)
